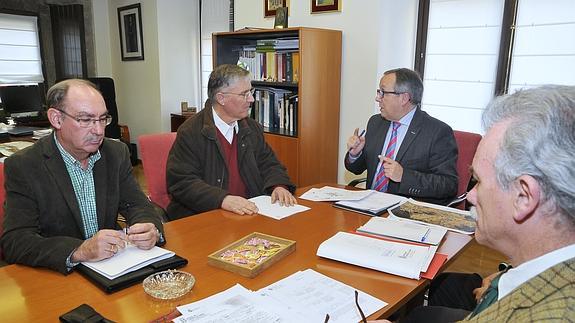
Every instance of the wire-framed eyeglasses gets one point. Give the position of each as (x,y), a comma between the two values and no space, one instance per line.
(246,94)
(86,122)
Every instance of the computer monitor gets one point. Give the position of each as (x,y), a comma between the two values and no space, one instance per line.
(22,100)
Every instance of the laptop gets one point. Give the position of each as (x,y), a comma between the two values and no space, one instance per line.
(20,131)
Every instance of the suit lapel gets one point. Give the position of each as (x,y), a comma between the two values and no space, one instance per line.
(100,179)
(410,135)
(57,169)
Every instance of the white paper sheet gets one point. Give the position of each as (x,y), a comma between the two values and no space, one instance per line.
(406,230)
(306,296)
(127,260)
(375,202)
(396,258)
(276,211)
(328,193)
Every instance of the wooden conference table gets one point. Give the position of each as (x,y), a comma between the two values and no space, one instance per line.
(36,295)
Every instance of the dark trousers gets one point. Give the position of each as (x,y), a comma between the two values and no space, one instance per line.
(450,299)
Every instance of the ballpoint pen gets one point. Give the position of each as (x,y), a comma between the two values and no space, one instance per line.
(425,235)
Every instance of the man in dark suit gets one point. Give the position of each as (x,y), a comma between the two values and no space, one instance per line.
(524,202)
(64,193)
(405,151)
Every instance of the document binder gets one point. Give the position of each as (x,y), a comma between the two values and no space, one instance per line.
(131,278)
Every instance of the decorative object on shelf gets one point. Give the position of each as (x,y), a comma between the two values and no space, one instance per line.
(131,34)
(320,6)
(270,7)
(169,284)
(281,20)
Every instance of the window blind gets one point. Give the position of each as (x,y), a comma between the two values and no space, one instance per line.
(20,60)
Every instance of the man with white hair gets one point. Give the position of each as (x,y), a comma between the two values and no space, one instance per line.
(524,200)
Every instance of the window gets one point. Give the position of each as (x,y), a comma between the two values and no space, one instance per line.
(469,50)
(20,59)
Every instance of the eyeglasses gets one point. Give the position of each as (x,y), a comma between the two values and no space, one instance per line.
(246,94)
(363,318)
(85,122)
(381,93)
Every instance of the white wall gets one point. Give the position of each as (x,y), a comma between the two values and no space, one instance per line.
(147,91)
(179,57)
(366,52)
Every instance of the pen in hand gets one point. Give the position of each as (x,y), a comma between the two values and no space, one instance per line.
(356,143)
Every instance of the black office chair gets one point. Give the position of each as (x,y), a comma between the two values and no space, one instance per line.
(108,90)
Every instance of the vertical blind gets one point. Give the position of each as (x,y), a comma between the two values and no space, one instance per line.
(20,60)
(461,60)
(544,47)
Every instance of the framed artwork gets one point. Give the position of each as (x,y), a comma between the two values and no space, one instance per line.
(131,37)
(319,6)
(270,6)
(281,20)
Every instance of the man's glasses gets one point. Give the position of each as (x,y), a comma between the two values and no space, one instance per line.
(246,94)
(381,93)
(86,122)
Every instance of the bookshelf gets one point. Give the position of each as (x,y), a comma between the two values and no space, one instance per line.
(310,151)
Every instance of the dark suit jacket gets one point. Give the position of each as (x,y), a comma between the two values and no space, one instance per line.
(43,224)
(547,297)
(197,174)
(428,155)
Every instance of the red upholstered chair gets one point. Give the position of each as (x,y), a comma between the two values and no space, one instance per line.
(2,198)
(154,150)
(466,144)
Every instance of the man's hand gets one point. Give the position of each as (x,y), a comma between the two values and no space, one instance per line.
(283,197)
(355,143)
(478,292)
(239,205)
(143,235)
(104,244)
(391,168)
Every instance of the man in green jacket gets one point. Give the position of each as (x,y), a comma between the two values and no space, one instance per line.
(220,157)
(524,201)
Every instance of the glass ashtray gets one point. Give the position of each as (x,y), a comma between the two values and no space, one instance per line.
(168,284)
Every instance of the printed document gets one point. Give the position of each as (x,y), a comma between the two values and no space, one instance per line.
(405,230)
(276,211)
(305,296)
(127,260)
(331,194)
(373,204)
(402,259)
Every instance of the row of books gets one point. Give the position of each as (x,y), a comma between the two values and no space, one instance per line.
(276,110)
(271,66)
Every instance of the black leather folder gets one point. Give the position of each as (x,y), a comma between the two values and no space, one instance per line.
(131,278)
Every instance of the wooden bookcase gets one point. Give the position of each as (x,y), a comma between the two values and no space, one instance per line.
(311,155)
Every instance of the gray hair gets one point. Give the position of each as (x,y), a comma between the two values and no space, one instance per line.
(540,141)
(408,81)
(57,93)
(224,76)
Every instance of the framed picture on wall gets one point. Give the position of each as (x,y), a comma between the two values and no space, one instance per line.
(131,35)
(319,6)
(270,6)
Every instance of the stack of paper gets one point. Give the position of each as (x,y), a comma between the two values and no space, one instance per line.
(37,134)
(306,296)
(332,194)
(127,260)
(402,259)
(404,230)
(376,203)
